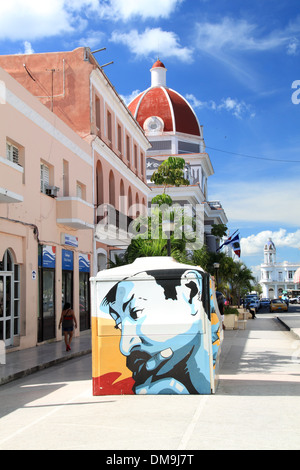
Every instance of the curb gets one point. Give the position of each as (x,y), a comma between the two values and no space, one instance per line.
(45,365)
(294,331)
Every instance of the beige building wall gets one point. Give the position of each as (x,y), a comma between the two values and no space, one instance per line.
(33,139)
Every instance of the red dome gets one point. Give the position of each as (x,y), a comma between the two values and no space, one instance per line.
(158,63)
(167,104)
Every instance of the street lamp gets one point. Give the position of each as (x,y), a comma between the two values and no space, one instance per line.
(168,228)
(216,266)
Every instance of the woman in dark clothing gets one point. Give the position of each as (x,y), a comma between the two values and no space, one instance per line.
(68,320)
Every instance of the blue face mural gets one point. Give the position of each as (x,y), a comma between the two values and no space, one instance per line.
(163,324)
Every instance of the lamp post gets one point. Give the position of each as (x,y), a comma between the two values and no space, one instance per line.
(168,228)
(216,266)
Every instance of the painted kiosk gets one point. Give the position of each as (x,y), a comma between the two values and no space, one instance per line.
(156,329)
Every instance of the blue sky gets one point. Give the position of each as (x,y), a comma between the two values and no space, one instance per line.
(236,61)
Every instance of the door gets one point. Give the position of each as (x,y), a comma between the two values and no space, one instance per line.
(46,320)
(6,308)
(67,287)
(84,301)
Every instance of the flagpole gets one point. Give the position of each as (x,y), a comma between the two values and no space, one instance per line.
(227,240)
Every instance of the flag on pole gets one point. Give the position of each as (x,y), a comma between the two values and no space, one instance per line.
(234,241)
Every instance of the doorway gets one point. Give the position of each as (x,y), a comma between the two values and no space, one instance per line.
(9,299)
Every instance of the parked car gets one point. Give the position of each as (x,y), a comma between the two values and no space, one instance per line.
(265,302)
(295,300)
(252,301)
(255,303)
(278,304)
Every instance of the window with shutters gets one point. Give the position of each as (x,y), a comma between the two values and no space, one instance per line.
(80,190)
(135,157)
(128,148)
(119,138)
(109,127)
(12,153)
(98,112)
(45,173)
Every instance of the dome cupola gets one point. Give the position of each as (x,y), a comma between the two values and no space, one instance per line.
(160,109)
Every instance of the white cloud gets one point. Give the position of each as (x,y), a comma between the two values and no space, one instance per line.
(32,19)
(293,46)
(128,98)
(125,9)
(268,201)
(93,39)
(28,49)
(238,108)
(254,244)
(153,41)
(241,35)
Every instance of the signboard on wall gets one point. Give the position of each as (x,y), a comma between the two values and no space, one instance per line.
(84,262)
(67,260)
(47,256)
(69,240)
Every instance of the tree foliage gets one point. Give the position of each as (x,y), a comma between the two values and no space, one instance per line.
(170,173)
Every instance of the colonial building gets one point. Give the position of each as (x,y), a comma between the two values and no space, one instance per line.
(172,127)
(46,219)
(72,157)
(74,86)
(276,277)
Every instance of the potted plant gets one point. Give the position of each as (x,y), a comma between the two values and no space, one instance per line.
(230,317)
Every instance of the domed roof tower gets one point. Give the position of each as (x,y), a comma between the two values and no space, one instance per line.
(269,252)
(166,116)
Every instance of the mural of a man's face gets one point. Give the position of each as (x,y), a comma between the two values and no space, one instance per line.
(160,327)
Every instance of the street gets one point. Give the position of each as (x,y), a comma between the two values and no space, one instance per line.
(256,406)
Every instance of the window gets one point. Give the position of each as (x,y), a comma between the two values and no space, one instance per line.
(65,178)
(97,109)
(80,190)
(135,158)
(128,148)
(109,128)
(142,165)
(44,177)
(119,138)
(12,153)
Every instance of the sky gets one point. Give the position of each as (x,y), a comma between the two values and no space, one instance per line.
(235,61)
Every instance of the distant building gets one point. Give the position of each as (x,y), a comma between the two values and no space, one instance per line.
(276,277)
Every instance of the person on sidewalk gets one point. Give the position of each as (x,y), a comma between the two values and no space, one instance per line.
(68,320)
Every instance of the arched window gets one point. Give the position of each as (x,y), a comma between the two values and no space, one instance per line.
(129,199)
(99,184)
(137,201)
(111,188)
(122,205)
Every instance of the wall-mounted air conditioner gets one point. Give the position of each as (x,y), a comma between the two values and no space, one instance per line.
(51,191)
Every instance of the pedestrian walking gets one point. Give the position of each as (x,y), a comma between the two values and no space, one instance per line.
(68,320)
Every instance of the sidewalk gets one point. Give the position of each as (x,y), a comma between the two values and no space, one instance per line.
(25,362)
(291,322)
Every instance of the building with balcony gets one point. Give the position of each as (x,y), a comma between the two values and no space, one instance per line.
(75,88)
(172,127)
(276,277)
(46,219)
(72,159)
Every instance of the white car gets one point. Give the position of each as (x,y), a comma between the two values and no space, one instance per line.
(255,303)
(295,300)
